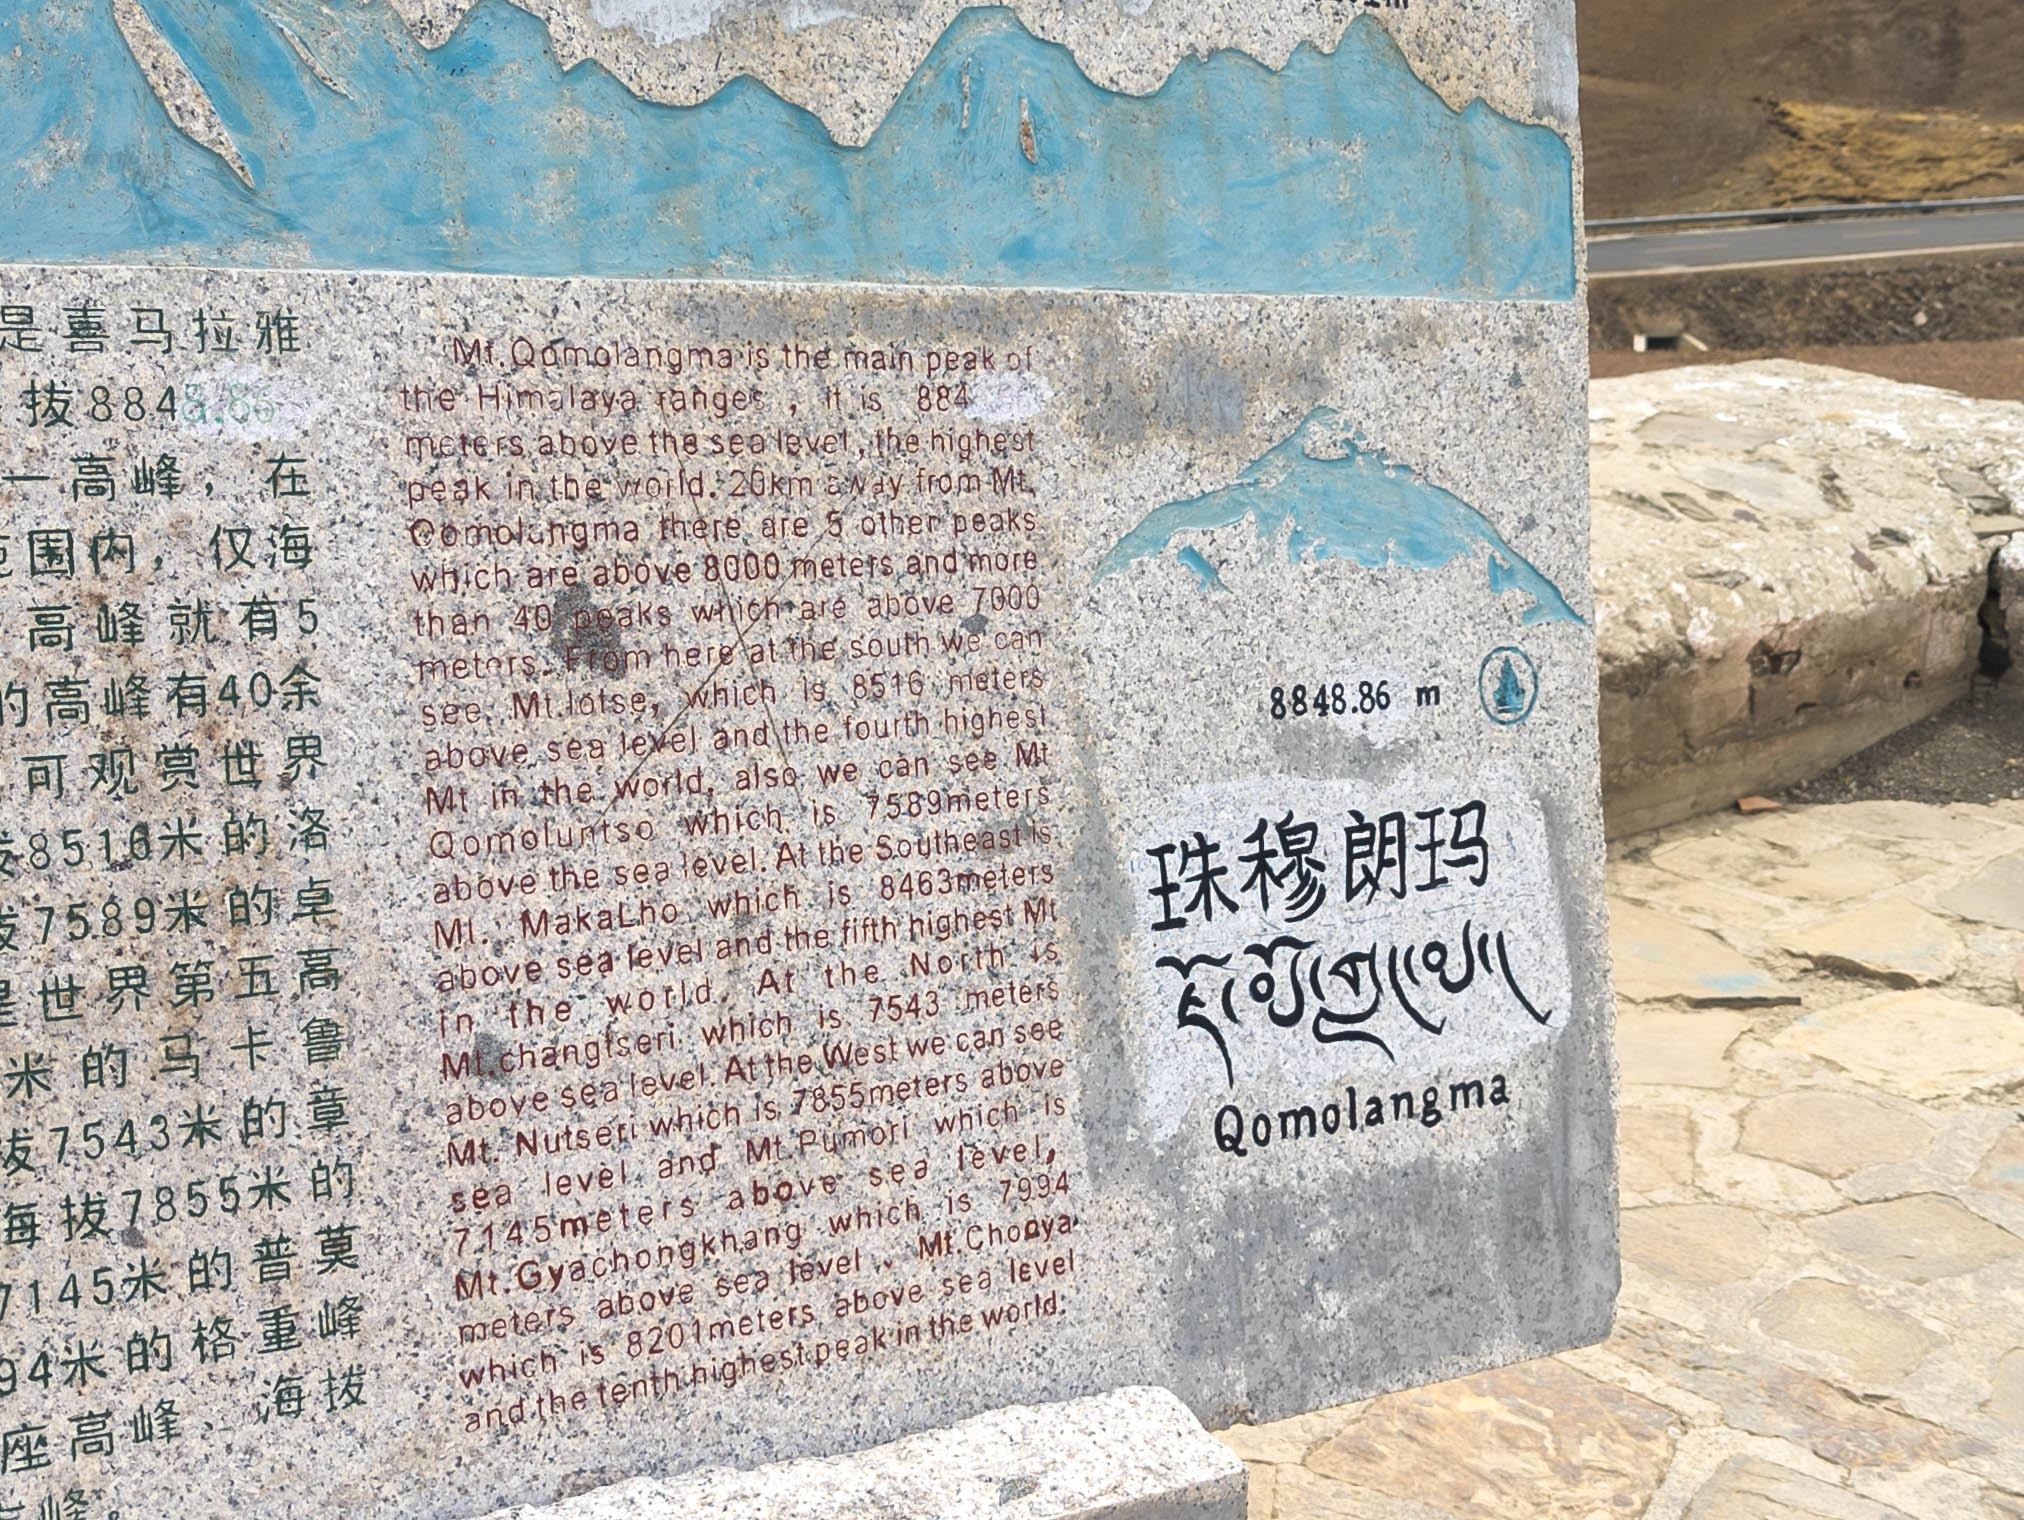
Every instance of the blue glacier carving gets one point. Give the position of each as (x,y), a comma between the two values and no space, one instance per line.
(1336,499)
(1340,173)
(1206,575)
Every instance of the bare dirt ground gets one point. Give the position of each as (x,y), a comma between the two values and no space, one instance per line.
(1993,371)
(1692,105)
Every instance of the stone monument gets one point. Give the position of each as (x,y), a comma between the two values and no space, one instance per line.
(731,730)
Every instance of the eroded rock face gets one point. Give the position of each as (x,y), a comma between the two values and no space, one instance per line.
(1789,562)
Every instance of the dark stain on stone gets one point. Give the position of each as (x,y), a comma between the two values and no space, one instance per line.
(580,647)
(489,1048)
(1768,660)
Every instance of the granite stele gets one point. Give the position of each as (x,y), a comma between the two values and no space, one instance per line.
(734,729)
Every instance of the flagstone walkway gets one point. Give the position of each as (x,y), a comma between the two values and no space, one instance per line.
(1822,1059)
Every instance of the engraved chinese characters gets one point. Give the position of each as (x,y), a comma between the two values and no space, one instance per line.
(624,787)
(609,877)
(184,1242)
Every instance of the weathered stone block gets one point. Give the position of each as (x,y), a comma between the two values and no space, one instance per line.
(888,714)
(1790,566)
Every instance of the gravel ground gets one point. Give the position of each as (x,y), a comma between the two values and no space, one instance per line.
(1972,751)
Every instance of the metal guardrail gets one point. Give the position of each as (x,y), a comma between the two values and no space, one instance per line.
(1800,213)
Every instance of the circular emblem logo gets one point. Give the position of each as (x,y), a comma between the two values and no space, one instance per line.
(1508,685)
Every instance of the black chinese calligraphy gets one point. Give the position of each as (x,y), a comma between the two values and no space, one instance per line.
(1284,866)
(1309,928)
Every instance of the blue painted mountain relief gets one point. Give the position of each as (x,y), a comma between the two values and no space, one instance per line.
(1000,163)
(1335,498)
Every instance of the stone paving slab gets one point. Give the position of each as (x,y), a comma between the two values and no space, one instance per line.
(1659,958)
(1994,895)
(1919,1044)
(1822,1314)
(1891,940)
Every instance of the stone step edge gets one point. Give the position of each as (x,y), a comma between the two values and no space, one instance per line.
(1131,1454)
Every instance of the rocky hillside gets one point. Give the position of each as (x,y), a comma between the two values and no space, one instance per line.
(1706,104)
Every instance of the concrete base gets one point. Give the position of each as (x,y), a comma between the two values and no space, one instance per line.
(1136,1454)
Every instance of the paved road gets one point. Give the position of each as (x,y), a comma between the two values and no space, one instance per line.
(1790,242)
